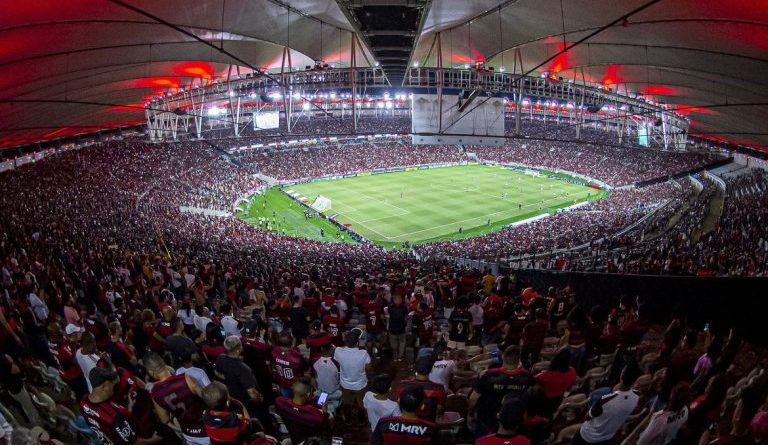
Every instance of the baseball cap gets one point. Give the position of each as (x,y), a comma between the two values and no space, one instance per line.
(99,376)
(72,328)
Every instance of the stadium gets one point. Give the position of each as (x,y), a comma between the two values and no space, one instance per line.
(386,222)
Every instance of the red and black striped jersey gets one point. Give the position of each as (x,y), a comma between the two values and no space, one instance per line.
(226,427)
(402,431)
(302,421)
(173,395)
(111,422)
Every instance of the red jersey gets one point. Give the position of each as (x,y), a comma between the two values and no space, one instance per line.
(333,325)
(315,343)
(287,366)
(426,324)
(555,383)
(373,317)
(503,439)
(434,396)
(111,422)
(154,344)
(65,355)
(402,431)
(173,395)
(213,351)
(312,305)
(165,328)
(303,421)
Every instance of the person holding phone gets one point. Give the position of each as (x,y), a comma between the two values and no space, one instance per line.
(302,418)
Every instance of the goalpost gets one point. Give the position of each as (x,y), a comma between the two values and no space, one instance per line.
(322,204)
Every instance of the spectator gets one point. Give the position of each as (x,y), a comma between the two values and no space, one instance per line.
(509,418)
(299,319)
(227,421)
(495,384)
(443,368)
(87,356)
(377,403)
(178,344)
(434,393)
(238,377)
(575,336)
(288,365)
(178,396)
(397,313)
(407,428)
(11,377)
(352,363)
(533,337)
(459,325)
(665,424)
(608,412)
(111,422)
(316,340)
(228,322)
(558,379)
(188,367)
(64,353)
(302,419)
(213,345)
(327,376)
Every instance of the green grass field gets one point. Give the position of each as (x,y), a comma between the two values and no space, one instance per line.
(435,203)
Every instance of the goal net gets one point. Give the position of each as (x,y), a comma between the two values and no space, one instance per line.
(322,204)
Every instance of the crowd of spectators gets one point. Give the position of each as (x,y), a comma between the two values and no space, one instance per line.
(316,161)
(165,326)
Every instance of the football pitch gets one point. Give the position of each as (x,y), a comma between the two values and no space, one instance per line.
(425,205)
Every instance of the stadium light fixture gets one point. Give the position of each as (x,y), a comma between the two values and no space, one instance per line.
(502,69)
(214,111)
(466,66)
(415,64)
(305,107)
(376,63)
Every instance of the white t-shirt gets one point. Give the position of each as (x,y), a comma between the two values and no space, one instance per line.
(477,314)
(663,427)
(327,373)
(86,363)
(229,324)
(201,322)
(617,406)
(197,373)
(352,362)
(377,409)
(441,370)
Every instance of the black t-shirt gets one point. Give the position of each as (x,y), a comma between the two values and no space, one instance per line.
(11,381)
(397,318)
(460,320)
(299,326)
(237,376)
(497,383)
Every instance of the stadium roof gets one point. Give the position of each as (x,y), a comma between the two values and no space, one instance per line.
(99,60)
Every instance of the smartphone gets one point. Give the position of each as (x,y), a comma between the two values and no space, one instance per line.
(322,399)
(337,441)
